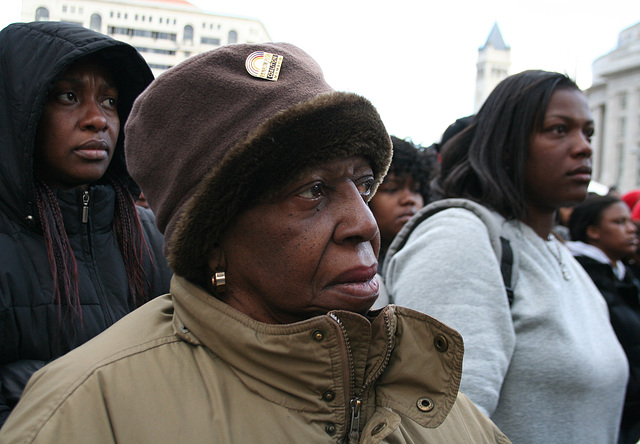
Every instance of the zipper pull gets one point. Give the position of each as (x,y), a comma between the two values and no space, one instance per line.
(354,432)
(85,207)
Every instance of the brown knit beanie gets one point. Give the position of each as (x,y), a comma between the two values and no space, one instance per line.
(207,139)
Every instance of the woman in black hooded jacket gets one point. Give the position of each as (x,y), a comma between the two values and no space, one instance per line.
(76,254)
(603,238)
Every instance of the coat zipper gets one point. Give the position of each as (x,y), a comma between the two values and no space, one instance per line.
(355,402)
(354,430)
(85,207)
(374,376)
(104,303)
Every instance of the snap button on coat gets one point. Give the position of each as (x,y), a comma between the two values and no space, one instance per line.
(425,404)
(441,343)
(329,395)
(377,429)
(317,335)
(330,429)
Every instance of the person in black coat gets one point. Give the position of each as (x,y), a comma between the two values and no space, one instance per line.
(76,253)
(603,235)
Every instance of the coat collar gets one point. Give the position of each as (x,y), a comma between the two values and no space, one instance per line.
(403,359)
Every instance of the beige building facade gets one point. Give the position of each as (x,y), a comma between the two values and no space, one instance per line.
(165,32)
(614,99)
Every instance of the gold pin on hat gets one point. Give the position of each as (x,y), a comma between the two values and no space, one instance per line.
(264,65)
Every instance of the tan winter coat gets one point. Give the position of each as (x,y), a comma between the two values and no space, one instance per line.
(187,368)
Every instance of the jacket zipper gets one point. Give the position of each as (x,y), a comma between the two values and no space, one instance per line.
(374,376)
(97,285)
(355,401)
(356,408)
(85,207)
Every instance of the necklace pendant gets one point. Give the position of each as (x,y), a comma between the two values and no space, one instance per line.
(565,272)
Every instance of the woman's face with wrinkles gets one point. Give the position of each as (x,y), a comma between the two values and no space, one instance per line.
(310,249)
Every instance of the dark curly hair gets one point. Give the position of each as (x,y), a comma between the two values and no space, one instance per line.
(416,161)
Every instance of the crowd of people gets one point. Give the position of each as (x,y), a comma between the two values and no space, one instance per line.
(258,260)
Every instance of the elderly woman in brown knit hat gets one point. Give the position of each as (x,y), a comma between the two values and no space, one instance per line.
(259,174)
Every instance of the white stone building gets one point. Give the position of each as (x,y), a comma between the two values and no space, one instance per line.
(614,99)
(165,32)
(494,61)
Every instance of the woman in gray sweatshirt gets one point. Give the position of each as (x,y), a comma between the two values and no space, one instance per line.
(548,367)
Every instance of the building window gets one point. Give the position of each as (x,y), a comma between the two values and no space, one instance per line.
(160,19)
(210,41)
(72,10)
(111,14)
(118,15)
(157,66)
(164,35)
(188,34)
(156,51)
(114,30)
(96,22)
(42,14)
(623,101)
(126,16)
(498,72)
(622,126)
(64,8)
(233,37)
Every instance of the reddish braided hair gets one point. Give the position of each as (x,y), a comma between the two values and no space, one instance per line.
(131,241)
(61,259)
(133,246)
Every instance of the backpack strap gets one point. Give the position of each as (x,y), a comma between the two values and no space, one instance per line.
(494,222)
(506,267)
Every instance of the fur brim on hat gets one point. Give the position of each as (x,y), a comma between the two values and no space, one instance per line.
(329,126)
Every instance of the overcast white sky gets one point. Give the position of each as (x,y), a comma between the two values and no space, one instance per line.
(415,59)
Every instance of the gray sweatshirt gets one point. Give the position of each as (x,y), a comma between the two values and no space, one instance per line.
(548,369)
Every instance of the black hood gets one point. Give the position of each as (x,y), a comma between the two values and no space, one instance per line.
(33,57)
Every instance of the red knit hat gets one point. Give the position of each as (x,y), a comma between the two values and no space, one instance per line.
(635,212)
(631,198)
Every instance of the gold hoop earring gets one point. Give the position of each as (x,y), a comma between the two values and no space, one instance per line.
(219,280)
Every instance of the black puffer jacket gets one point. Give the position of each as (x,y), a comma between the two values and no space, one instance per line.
(623,300)
(32,58)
